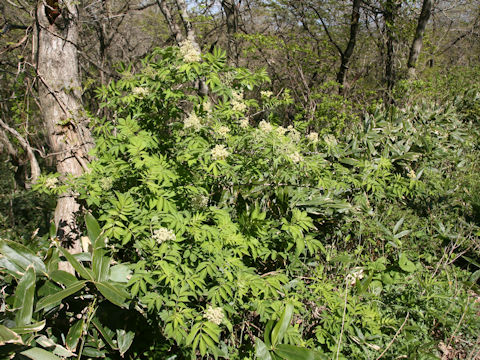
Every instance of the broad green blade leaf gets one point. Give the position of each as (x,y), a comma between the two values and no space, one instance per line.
(93,353)
(24,298)
(282,325)
(76,265)
(267,335)
(116,294)
(124,340)
(59,296)
(93,229)
(8,336)
(290,352)
(397,225)
(10,267)
(29,328)
(100,264)
(261,350)
(106,333)
(63,277)
(21,256)
(74,334)
(120,273)
(62,352)
(39,354)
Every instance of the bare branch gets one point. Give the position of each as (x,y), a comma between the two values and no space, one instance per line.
(34,167)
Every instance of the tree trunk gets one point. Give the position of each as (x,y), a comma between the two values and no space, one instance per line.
(389,14)
(60,93)
(230,8)
(347,54)
(418,39)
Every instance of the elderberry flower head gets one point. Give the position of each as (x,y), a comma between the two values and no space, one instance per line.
(51,183)
(219,152)
(189,52)
(163,234)
(192,121)
(265,126)
(223,131)
(313,137)
(215,315)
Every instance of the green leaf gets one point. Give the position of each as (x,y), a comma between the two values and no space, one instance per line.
(21,256)
(100,264)
(39,354)
(106,333)
(261,350)
(116,294)
(24,296)
(120,273)
(74,334)
(8,336)
(397,225)
(93,229)
(62,352)
(405,264)
(76,265)
(63,277)
(124,340)
(59,296)
(11,268)
(282,325)
(27,329)
(290,352)
(267,335)
(363,285)
(93,353)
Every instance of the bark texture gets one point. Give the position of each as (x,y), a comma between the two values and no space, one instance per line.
(347,54)
(231,10)
(390,15)
(60,99)
(418,39)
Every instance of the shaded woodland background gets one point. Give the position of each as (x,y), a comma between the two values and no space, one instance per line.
(358,119)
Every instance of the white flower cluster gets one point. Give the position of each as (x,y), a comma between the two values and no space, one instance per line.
(219,152)
(356,274)
(163,234)
(106,183)
(189,52)
(200,201)
(293,133)
(192,121)
(266,94)
(411,174)
(265,126)
(281,130)
(244,123)
(223,131)
(51,183)
(140,91)
(215,315)
(207,106)
(237,102)
(330,140)
(313,137)
(295,157)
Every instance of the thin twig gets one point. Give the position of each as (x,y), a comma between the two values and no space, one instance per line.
(343,320)
(395,336)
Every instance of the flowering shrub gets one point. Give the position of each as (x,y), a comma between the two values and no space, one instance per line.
(224,210)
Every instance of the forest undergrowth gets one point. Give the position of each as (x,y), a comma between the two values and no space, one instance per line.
(219,226)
